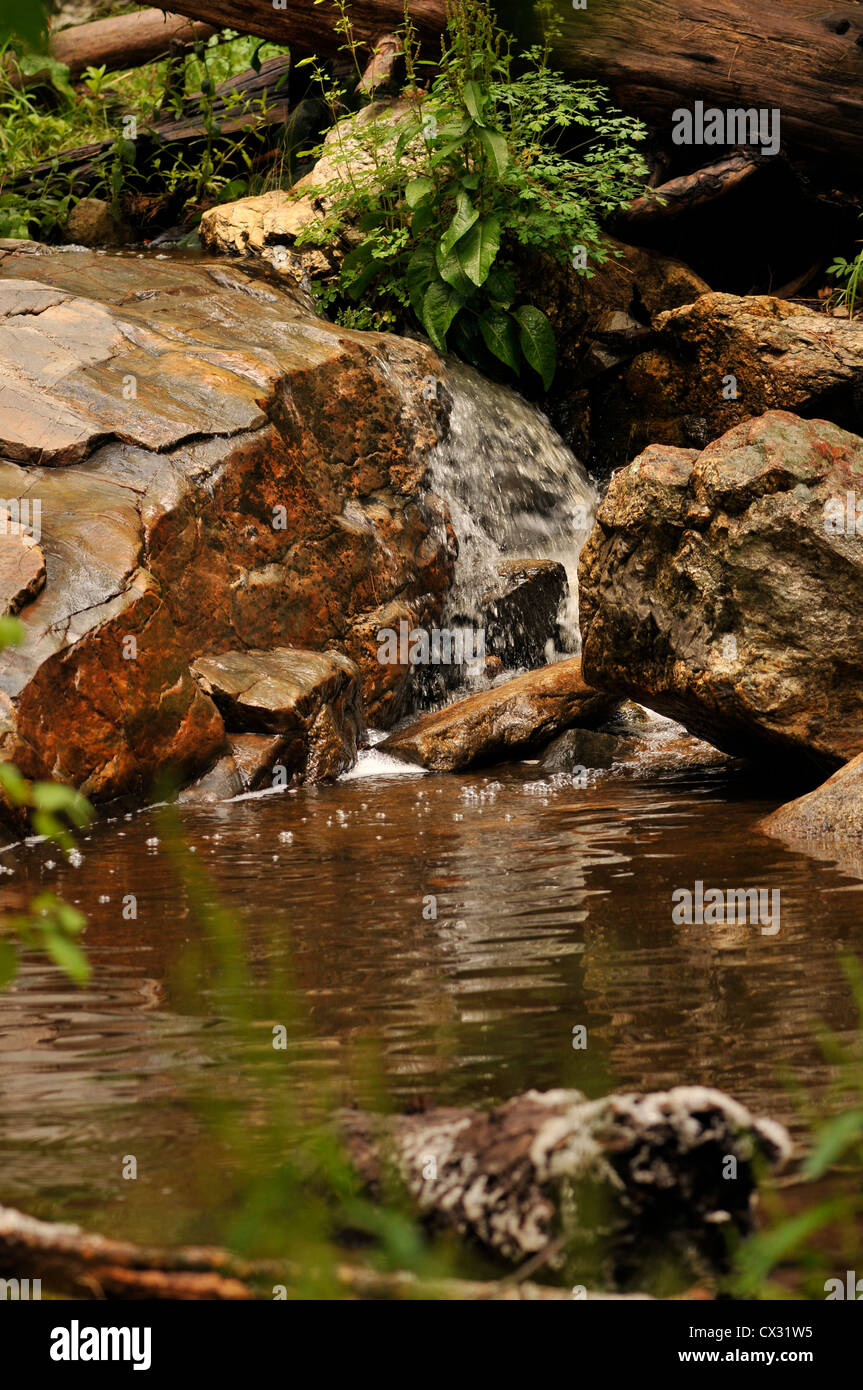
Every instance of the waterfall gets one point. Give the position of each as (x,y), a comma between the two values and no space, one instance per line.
(514,489)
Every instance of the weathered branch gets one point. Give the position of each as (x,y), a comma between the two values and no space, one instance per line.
(692,190)
(125,41)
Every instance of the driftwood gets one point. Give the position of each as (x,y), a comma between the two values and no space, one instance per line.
(79,1264)
(512,1179)
(692,190)
(125,41)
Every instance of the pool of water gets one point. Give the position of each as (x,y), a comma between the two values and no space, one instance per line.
(461,926)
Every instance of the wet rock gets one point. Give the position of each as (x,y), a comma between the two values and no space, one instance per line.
(251,764)
(584,748)
(511,1179)
(312,697)
(832,811)
(715,590)
(22,565)
(724,359)
(92,223)
(519,615)
(245,476)
(504,722)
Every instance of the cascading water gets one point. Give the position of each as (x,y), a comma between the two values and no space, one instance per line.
(514,489)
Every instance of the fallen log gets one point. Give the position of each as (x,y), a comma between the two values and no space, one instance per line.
(660,55)
(670,1167)
(655,55)
(125,41)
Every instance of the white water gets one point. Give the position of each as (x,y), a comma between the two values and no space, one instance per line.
(514,489)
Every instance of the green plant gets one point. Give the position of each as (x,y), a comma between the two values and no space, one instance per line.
(852,273)
(502,156)
(791,1239)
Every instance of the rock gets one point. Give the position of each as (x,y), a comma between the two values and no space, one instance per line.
(713,591)
(312,697)
(601,322)
(519,615)
(22,565)
(266,226)
(92,223)
(832,811)
(245,476)
(517,1180)
(724,359)
(505,722)
(250,764)
(584,748)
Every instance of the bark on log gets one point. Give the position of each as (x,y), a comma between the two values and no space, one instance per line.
(311,28)
(125,41)
(512,1179)
(656,55)
(659,55)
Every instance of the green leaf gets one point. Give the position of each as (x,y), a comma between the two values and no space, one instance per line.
(449,269)
(500,335)
(500,287)
(833,1139)
(466,216)
(421,270)
(440,306)
(418,190)
(8,963)
(478,251)
(537,342)
(475,100)
(497,150)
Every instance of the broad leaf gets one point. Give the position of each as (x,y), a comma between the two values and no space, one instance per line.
(440,306)
(477,252)
(500,335)
(466,216)
(418,190)
(420,271)
(500,287)
(475,101)
(449,269)
(497,150)
(537,342)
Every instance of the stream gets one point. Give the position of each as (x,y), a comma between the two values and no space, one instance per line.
(460,926)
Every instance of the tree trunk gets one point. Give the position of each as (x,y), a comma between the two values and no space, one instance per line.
(658,55)
(124,41)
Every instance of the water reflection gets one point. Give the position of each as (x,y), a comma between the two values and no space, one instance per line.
(552,908)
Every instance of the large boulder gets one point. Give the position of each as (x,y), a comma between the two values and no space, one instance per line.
(507,721)
(716,588)
(216,469)
(724,359)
